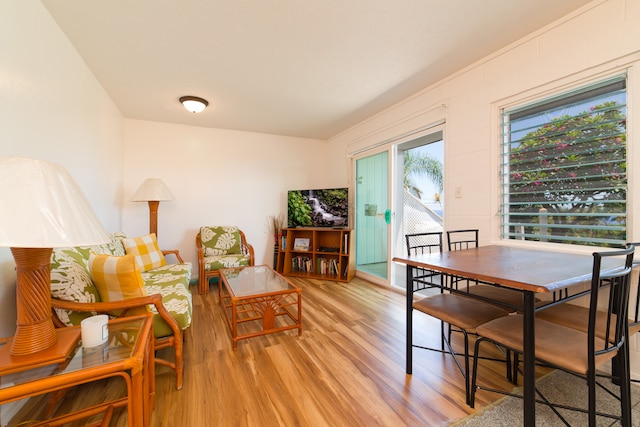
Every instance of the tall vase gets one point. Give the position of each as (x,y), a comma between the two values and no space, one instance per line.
(275,256)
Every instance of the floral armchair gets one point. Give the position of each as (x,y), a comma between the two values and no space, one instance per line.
(220,247)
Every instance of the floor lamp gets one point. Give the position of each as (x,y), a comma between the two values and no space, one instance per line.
(42,208)
(153,190)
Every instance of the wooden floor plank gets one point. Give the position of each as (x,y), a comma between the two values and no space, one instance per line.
(347,368)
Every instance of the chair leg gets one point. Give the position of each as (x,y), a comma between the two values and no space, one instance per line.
(179,365)
(202,289)
(442,334)
(625,385)
(467,377)
(474,374)
(591,383)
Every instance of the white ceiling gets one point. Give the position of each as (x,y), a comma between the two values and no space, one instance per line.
(289,67)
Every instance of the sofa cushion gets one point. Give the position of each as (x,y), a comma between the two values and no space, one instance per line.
(146,251)
(71,281)
(172,282)
(224,240)
(114,247)
(217,262)
(117,278)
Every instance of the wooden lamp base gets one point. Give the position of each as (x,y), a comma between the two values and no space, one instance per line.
(36,341)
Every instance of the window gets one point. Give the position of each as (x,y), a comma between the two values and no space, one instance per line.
(564,176)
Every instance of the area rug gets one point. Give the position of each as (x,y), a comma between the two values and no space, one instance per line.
(557,387)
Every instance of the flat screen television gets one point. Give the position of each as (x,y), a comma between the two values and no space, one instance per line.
(327,207)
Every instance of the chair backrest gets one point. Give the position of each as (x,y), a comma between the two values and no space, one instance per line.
(611,273)
(462,239)
(220,240)
(423,243)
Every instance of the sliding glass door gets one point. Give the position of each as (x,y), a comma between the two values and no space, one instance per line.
(373,215)
(398,191)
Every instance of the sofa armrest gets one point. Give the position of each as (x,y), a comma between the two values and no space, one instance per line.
(175,252)
(107,307)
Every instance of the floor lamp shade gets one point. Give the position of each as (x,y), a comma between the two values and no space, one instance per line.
(42,208)
(153,191)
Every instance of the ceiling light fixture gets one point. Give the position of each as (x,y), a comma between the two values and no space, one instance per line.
(193,103)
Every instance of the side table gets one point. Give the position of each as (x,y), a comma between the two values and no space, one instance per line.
(128,354)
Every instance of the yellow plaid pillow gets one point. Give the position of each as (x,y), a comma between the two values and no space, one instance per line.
(116,277)
(145,249)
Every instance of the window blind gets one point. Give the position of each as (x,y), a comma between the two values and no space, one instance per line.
(563,167)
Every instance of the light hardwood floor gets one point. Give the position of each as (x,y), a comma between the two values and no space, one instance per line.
(346,369)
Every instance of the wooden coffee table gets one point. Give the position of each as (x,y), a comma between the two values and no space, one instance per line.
(258,301)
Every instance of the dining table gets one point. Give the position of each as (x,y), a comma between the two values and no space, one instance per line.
(531,271)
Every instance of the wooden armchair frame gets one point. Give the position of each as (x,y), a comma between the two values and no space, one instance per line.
(204,276)
(175,340)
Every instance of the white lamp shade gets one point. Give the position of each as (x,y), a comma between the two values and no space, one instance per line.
(43,207)
(152,189)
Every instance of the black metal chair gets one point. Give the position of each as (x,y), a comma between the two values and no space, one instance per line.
(425,243)
(462,239)
(462,312)
(577,316)
(420,244)
(572,350)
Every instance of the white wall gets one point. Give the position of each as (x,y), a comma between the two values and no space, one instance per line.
(598,39)
(219,177)
(52,108)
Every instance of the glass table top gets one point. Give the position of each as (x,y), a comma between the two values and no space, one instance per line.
(121,345)
(261,279)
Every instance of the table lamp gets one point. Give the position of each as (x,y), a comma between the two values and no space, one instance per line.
(153,190)
(42,208)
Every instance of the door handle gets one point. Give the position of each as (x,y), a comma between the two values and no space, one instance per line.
(387,216)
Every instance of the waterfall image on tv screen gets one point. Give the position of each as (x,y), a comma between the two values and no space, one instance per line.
(318,208)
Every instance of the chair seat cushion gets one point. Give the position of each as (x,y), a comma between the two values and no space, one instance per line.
(556,344)
(507,296)
(460,311)
(172,282)
(216,262)
(577,317)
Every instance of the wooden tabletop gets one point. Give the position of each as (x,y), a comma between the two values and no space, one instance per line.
(518,268)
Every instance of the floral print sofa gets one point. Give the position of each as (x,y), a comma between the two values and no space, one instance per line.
(75,296)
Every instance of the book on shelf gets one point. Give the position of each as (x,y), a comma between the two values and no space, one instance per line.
(327,266)
(301,264)
(301,244)
(345,246)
